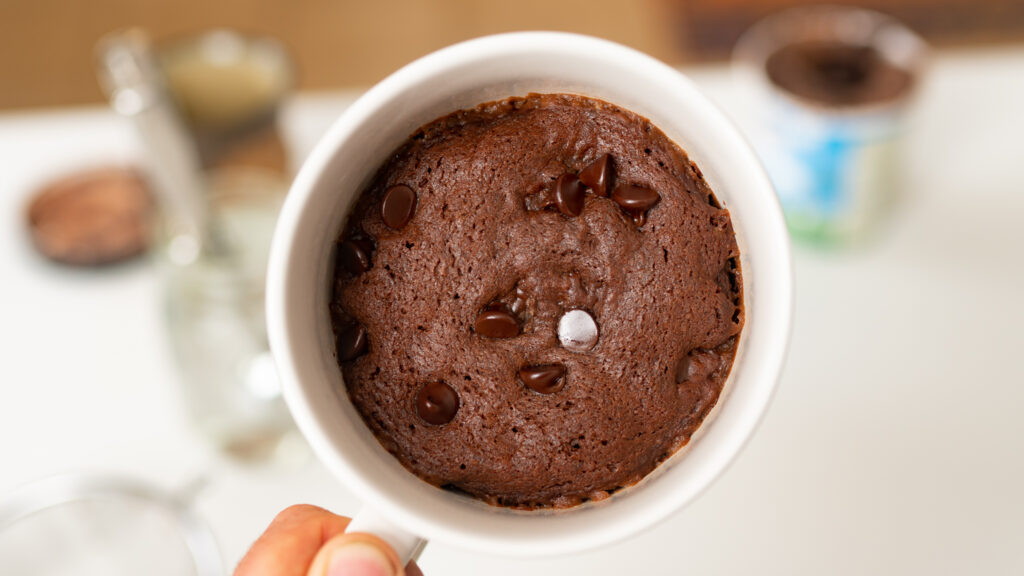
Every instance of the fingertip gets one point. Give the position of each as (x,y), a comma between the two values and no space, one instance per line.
(356,554)
(289,544)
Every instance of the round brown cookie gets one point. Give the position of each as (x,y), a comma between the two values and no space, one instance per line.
(92,218)
(555,312)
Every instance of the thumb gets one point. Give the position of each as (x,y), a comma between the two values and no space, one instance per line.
(356,554)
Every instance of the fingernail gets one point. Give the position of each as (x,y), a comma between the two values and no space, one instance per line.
(359,559)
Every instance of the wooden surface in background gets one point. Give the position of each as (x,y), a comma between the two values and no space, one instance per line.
(46,46)
(715,25)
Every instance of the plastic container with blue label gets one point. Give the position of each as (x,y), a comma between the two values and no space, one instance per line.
(831,87)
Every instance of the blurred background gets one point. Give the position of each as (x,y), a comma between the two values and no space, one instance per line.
(146,147)
(47,44)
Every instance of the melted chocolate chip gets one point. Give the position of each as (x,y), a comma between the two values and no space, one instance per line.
(351,342)
(355,255)
(683,369)
(497,322)
(437,403)
(635,201)
(699,365)
(569,195)
(598,175)
(545,379)
(398,206)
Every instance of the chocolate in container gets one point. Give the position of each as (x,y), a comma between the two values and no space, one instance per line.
(832,87)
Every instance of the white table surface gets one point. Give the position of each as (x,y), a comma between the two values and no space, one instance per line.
(895,444)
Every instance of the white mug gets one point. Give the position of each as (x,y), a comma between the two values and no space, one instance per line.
(401,508)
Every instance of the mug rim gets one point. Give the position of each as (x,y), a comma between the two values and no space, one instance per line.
(450,530)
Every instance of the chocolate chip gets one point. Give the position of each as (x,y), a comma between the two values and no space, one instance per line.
(398,206)
(437,403)
(598,175)
(354,255)
(497,322)
(635,201)
(545,379)
(569,195)
(351,342)
(637,198)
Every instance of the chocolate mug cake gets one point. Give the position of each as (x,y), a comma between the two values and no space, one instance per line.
(536,301)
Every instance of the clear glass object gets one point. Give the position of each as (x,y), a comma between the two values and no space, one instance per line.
(218,210)
(216,321)
(228,87)
(104,526)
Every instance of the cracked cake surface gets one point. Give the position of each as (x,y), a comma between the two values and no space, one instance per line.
(536,301)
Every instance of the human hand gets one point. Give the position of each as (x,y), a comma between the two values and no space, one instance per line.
(305,540)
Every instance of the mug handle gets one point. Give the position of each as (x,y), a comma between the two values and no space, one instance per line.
(407,546)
